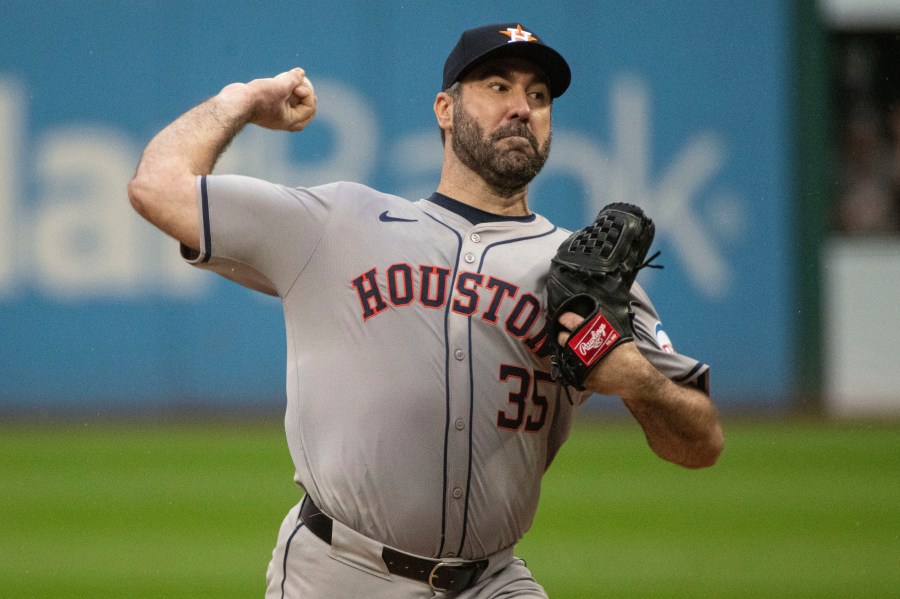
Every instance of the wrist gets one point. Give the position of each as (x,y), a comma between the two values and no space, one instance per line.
(626,373)
(235,103)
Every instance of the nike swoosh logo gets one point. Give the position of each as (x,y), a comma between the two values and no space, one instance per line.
(386,218)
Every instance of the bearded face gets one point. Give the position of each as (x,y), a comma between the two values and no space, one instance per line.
(507,166)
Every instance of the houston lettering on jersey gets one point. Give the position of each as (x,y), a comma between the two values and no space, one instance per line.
(429,286)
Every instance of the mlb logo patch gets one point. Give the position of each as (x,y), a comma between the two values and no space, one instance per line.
(662,339)
(593,340)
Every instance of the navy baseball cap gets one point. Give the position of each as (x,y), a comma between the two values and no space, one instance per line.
(506,39)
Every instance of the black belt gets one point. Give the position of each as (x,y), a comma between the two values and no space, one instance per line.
(440,576)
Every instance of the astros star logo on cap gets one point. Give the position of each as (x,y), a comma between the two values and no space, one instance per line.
(475,46)
(518,35)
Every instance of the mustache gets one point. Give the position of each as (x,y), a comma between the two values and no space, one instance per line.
(516,129)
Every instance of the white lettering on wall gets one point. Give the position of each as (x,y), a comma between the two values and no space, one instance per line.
(12,118)
(84,236)
(79,237)
(670,197)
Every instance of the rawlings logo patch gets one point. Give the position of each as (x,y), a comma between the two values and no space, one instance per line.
(593,340)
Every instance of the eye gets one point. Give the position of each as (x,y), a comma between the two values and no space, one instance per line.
(541,97)
(498,86)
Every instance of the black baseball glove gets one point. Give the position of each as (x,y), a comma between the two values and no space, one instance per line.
(591,275)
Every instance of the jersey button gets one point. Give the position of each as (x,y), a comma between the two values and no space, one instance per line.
(460,424)
(470,258)
(457,493)
(475,237)
(459,354)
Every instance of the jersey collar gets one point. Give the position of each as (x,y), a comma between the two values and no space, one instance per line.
(474,215)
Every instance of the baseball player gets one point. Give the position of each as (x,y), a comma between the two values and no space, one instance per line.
(421,408)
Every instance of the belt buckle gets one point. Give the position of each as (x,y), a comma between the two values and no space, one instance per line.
(433,573)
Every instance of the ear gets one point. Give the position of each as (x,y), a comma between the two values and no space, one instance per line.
(443,111)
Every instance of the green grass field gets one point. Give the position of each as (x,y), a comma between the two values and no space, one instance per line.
(180,510)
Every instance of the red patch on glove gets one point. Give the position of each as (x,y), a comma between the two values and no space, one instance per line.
(594,340)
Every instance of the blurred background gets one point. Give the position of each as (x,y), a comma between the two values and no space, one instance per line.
(763,138)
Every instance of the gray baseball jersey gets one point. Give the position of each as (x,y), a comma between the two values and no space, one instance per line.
(420,408)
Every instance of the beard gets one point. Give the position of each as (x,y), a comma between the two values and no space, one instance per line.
(507,172)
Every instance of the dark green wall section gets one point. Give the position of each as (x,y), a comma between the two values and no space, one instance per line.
(814,178)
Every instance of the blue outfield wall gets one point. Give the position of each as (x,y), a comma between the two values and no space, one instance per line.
(681,107)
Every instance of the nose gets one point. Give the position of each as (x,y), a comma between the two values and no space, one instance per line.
(519,109)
